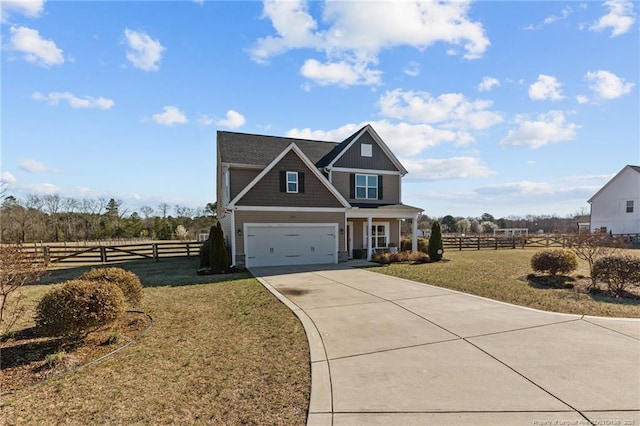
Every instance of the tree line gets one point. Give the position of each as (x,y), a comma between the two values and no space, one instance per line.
(53,218)
(486,223)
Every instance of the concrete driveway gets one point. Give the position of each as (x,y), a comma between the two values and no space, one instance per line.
(390,351)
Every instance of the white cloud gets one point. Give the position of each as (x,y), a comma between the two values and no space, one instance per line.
(339,73)
(205,120)
(566,11)
(144,52)
(607,85)
(451,110)
(582,99)
(28,8)
(488,83)
(546,87)
(34,166)
(354,33)
(446,168)
(7,178)
(619,19)
(233,121)
(404,139)
(171,115)
(36,49)
(54,98)
(412,69)
(547,128)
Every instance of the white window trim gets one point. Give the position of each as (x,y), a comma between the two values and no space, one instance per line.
(365,232)
(296,182)
(366,187)
(627,205)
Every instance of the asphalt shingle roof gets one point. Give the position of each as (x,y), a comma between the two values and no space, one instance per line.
(245,148)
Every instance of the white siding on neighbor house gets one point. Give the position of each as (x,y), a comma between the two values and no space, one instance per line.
(609,206)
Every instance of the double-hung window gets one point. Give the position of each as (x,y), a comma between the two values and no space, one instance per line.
(367,187)
(630,206)
(292,182)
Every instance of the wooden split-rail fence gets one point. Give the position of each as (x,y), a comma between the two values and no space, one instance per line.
(481,242)
(108,253)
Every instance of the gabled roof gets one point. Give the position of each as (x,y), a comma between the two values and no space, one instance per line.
(260,150)
(330,159)
(635,168)
(292,147)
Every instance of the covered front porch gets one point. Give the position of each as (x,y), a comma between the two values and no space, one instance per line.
(374,228)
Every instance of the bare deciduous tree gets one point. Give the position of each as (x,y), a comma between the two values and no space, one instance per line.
(592,246)
(17,268)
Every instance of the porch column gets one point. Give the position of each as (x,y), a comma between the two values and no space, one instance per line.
(369,239)
(414,233)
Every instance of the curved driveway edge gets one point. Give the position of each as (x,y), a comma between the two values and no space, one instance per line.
(386,350)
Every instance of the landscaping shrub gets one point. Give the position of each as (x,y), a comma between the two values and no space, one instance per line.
(403,256)
(435,249)
(128,282)
(554,261)
(618,272)
(219,255)
(79,306)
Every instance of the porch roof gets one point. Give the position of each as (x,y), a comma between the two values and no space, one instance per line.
(394,211)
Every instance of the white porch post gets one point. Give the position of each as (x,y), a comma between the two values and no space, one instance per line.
(369,239)
(414,233)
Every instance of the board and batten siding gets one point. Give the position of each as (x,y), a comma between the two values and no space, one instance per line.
(390,188)
(267,191)
(242,217)
(609,207)
(352,158)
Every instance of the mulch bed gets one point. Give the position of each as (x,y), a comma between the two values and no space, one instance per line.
(580,284)
(27,358)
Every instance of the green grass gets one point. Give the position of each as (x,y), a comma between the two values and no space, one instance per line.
(497,274)
(220,351)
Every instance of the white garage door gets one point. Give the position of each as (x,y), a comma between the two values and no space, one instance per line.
(283,244)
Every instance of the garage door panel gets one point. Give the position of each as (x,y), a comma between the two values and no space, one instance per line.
(278,244)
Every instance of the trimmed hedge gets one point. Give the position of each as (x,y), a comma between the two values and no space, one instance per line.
(618,272)
(79,306)
(128,282)
(554,261)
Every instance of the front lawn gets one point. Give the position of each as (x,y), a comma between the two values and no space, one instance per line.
(218,352)
(501,275)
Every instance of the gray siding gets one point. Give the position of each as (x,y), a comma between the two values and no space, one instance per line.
(378,161)
(242,217)
(267,191)
(390,188)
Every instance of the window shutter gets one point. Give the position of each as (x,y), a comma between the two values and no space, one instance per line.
(300,182)
(352,186)
(380,196)
(283,181)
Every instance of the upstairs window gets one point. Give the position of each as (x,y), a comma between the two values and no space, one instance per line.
(366,150)
(291,182)
(630,206)
(367,187)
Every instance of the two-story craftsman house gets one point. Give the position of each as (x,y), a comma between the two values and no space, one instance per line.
(285,201)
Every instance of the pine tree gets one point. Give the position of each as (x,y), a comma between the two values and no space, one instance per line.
(219,255)
(435,248)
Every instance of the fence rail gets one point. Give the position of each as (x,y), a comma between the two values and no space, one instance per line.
(107,253)
(479,242)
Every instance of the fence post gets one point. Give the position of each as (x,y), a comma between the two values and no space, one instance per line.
(47,255)
(103,254)
(496,243)
(478,243)
(155,252)
(513,242)
(188,251)
(460,243)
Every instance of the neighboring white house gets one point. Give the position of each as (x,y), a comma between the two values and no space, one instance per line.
(615,207)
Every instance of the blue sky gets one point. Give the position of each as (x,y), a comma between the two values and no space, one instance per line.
(510,108)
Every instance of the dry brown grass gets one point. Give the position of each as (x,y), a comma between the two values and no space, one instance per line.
(219,352)
(499,275)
